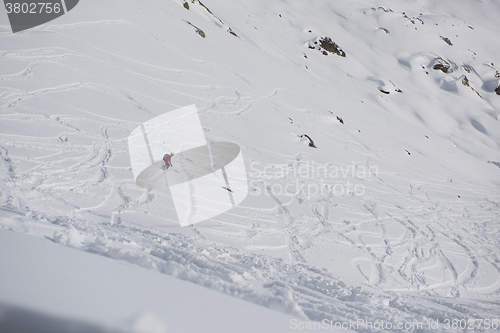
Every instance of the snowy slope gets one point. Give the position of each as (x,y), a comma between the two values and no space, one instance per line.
(393,216)
(113,295)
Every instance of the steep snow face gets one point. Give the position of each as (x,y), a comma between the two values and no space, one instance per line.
(113,295)
(371,135)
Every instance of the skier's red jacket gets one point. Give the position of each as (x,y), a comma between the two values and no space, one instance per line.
(167,159)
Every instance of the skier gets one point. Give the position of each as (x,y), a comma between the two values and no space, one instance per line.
(167,160)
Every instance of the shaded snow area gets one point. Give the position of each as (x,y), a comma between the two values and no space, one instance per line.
(371,137)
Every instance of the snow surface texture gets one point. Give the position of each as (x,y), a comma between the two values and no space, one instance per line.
(410,114)
(113,295)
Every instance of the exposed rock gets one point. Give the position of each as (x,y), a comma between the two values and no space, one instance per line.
(232,32)
(325,45)
(387,10)
(406,16)
(206,8)
(328,45)
(466,68)
(311,142)
(465,81)
(442,65)
(198,30)
(396,89)
(447,40)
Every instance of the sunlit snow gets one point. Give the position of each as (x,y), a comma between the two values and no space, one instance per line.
(370,132)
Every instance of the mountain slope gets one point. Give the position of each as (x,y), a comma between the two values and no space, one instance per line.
(393,215)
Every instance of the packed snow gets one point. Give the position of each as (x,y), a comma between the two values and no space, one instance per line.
(370,132)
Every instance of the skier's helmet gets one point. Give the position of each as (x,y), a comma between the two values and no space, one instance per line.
(172,154)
